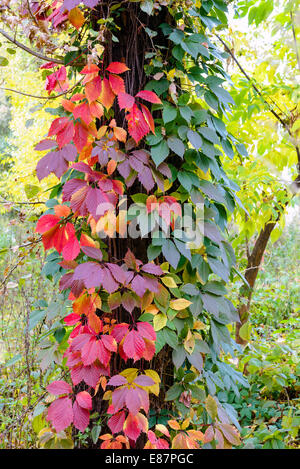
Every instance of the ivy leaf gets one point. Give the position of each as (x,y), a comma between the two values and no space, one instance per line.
(117,67)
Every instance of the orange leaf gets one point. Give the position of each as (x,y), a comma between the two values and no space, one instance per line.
(173,424)
(107,97)
(76,17)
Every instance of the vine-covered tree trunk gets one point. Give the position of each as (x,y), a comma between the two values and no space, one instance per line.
(131,46)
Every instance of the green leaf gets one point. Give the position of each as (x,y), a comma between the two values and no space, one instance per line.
(169,113)
(170,253)
(3,62)
(176,146)
(31,191)
(194,139)
(95,433)
(245,331)
(160,152)
(186,113)
(174,392)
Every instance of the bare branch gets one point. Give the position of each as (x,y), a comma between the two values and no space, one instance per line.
(42,97)
(30,51)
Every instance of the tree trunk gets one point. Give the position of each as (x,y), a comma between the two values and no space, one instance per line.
(253,266)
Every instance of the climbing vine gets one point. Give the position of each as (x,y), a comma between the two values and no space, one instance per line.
(137,223)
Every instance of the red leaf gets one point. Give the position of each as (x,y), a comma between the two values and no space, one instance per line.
(81,417)
(146,330)
(60,413)
(116,422)
(125,100)
(148,96)
(117,84)
(83,112)
(148,118)
(46,222)
(117,67)
(137,125)
(59,387)
(84,400)
(134,345)
(65,136)
(80,137)
(93,89)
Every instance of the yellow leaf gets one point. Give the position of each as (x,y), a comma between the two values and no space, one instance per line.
(152,374)
(76,17)
(159,321)
(169,282)
(199,325)
(211,407)
(162,429)
(152,309)
(185,424)
(189,342)
(180,304)
(155,387)
(165,266)
(107,395)
(130,374)
(245,331)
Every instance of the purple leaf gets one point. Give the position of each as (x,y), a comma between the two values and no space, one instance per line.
(143,380)
(69,152)
(90,273)
(117,380)
(92,252)
(53,162)
(117,272)
(151,268)
(108,281)
(45,145)
(146,178)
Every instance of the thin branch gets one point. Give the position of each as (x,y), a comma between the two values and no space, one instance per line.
(30,51)
(285,126)
(254,86)
(42,97)
(21,203)
(31,14)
